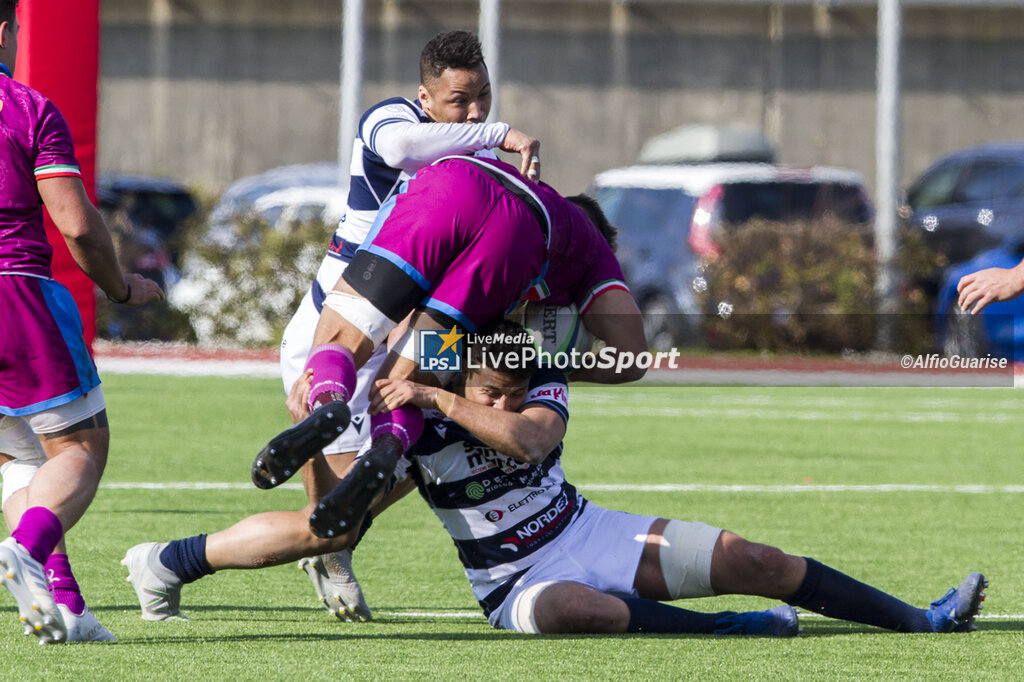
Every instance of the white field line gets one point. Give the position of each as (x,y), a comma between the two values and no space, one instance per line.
(184,366)
(476,615)
(655,410)
(657,488)
(188,367)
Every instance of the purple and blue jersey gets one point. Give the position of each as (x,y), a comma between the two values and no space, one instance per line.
(44,362)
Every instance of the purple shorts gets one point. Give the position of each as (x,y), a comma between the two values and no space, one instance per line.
(455,241)
(44,362)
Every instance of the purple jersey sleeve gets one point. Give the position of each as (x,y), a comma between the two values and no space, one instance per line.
(55,152)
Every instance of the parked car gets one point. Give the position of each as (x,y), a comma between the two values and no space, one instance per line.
(147,218)
(999,328)
(967,202)
(669,216)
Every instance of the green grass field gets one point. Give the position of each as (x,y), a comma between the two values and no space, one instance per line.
(765,442)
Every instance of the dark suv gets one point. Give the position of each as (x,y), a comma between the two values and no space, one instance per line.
(668,218)
(969,201)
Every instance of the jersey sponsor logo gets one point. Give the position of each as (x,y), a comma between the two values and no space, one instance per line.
(548,522)
(511,544)
(494,515)
(529,497)
(558,394)
(481,458)
(475,491)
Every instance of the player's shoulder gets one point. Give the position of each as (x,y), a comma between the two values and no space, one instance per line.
(28,99)
(549,387)
(394,108)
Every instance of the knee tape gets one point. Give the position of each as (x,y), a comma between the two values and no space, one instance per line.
(17,474)
(522,608)
(362,315)
(685,556)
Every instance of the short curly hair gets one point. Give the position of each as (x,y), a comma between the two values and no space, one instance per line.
(450,50)
(7,9)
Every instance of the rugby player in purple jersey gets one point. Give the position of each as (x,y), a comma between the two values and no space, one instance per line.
(48,382)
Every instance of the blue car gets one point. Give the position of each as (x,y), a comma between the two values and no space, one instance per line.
(999,328)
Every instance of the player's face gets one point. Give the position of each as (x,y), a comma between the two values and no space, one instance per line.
(495,389)
(457,96)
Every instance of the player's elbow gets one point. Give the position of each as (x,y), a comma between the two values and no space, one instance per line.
(633,373)
(535,447)
(400,153)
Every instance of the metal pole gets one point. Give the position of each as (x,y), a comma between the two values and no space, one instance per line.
(887,159)
(490,41)
(351,84)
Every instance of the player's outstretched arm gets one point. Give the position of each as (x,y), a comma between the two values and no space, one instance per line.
(980,288)
(615,318)
(411,144)
(528,435)
(90,243)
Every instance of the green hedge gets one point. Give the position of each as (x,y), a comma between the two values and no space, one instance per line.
(809,287)
(247,281)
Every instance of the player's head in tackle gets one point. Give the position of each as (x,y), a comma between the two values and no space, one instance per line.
(498,366)
(454,85)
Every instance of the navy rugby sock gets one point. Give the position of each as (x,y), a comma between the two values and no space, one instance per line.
(647,615)
(826,591)
(186,558)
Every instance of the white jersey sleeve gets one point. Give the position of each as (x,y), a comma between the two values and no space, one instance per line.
(403,141)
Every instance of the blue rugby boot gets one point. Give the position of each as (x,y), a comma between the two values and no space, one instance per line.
(778,621)
(955,611)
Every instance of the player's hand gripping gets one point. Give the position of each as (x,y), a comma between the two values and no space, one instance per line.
(390,394)
(528,147)
(297,401)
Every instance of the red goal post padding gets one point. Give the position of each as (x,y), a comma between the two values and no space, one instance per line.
(58,55)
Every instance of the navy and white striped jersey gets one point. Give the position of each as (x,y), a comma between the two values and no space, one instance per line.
(502,514)
(394,140)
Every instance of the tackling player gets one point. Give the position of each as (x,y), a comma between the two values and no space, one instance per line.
(542,559)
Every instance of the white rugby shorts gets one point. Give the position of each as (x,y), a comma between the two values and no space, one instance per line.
(296,345)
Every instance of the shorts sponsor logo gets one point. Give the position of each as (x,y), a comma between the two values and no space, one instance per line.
(440,351)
